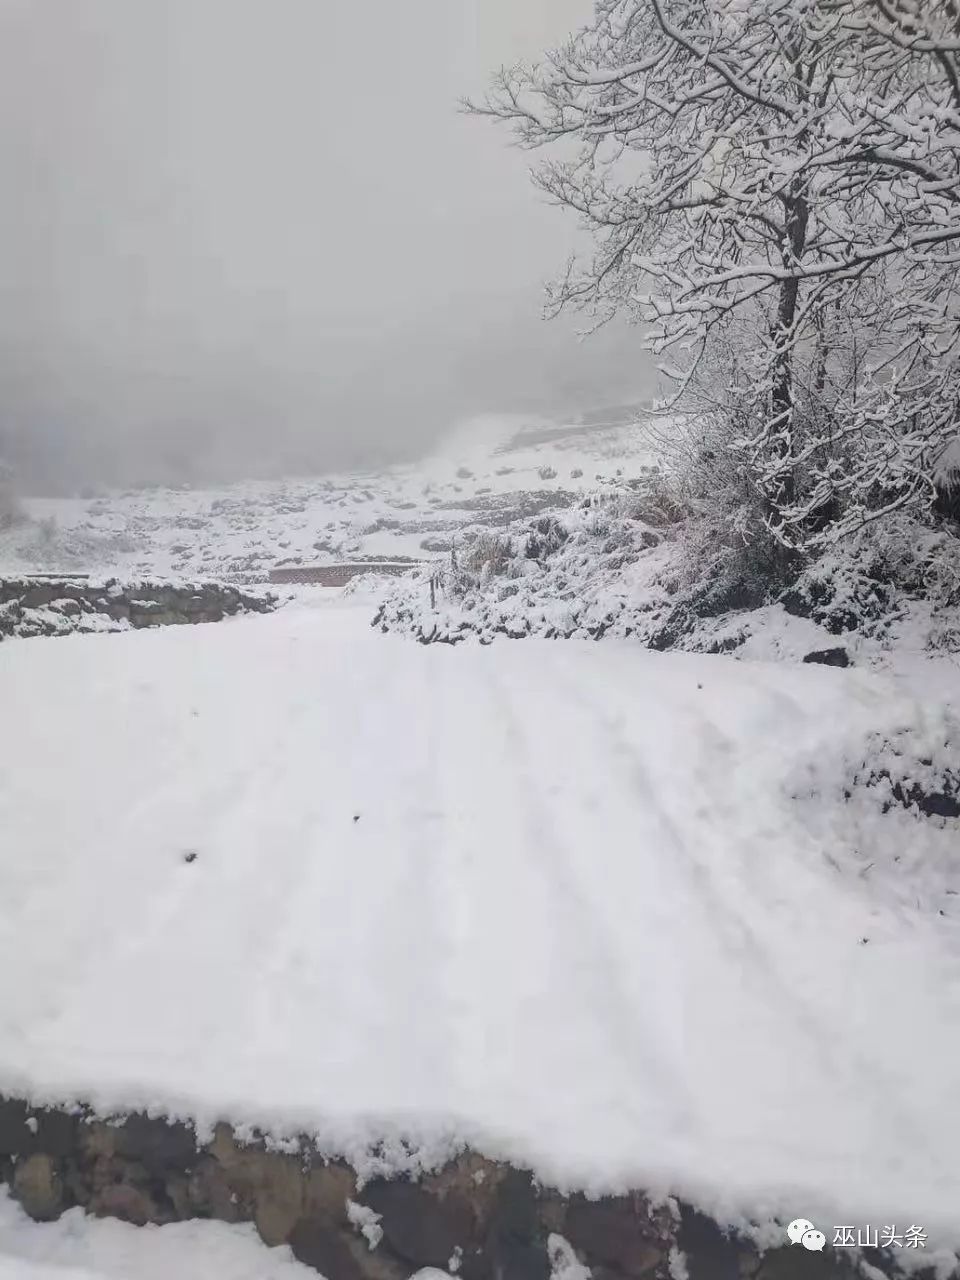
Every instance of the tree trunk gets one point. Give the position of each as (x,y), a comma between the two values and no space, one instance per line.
(797,216)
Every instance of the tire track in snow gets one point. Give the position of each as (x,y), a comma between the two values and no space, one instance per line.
(518,967)
(730,905)
(581,889)
(640,1017)
(364,909)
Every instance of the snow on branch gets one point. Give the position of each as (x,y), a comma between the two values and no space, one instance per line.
(787,171)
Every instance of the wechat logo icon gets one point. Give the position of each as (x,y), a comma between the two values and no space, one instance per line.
(802,1231)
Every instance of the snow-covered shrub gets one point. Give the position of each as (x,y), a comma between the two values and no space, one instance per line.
(724,559)
(575,573)
(885,807)
(866,582)
(488,554)
(839,595)
(621,505)
(911,765)
(640,558)
(917,557)
(547,473)
(547,536)
(729,558)
(922,787)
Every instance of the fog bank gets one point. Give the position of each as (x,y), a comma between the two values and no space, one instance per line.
(250,236)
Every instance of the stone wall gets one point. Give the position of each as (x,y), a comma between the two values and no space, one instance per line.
(475,1218)
(338,575)
(41,606)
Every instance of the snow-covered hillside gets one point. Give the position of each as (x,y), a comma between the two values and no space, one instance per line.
(489,472)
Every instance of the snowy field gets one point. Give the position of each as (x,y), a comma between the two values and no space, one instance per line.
(601,911)
(485,474)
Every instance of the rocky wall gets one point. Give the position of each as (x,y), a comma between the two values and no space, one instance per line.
(475,1218)
(34,606)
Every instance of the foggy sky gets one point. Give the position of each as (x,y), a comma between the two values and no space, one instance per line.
(246,236)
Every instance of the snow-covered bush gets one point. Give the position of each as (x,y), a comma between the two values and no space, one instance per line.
(729,557)
(923,786)
(866,583)
(652,558)
(547,535)
(916,556)
(886,808)
(489,555)
(577,573)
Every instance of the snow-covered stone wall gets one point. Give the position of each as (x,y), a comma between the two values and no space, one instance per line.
(41,606)
(473,1219)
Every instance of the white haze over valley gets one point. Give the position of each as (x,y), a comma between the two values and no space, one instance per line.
(261,238)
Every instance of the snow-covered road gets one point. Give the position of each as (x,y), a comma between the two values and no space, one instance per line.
(553,899)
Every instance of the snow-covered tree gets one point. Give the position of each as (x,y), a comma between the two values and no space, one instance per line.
(785,173)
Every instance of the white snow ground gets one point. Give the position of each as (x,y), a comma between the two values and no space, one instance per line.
(568,903)
(78,1247)
(81,1248)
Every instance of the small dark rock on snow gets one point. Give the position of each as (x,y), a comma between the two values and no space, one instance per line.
(837,657)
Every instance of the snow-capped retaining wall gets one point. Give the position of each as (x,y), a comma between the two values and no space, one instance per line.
(40,606)
(474,1218)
